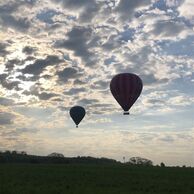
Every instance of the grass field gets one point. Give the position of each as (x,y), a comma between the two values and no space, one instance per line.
(94,179)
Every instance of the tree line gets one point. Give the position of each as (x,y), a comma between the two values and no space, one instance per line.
(54,158)
(58,158)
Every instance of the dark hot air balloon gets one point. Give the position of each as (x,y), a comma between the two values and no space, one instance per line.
(77,113)
(126,88)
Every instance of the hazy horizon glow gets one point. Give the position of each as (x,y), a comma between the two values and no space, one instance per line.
(55,54)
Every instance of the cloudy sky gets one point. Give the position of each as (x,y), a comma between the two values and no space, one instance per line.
(55,54)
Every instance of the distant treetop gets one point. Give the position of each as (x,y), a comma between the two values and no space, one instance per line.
(57,155)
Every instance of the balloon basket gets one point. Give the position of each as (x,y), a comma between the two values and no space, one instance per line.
(126,113)
(76,126)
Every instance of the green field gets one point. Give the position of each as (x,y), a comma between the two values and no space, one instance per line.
(94,179)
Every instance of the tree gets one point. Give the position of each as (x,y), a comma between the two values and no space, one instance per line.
(23,153)
(7,152)
(56,155)
(140,161)
(14,152)
(162,164)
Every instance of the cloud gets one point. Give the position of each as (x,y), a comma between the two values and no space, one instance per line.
(40,64)
(35,112)
(79,82)
(9,84)
(186,10)
(29,50)
(156,101)
(87,102)
(151,79)
(185,47)
(46,96)
(86,10)
(75,91)
(6,118)
(3,77)
(35,90)
(20,24)
(168,29)
(10,64)
(26,130)
(9,18)
(167,5)
(16,133)
(47,16)
(80,40)
(167,138)
(97,108)
(126,9)
(9,7)
(3,49)
(6,101)
(68,73)
(100,85)
(180,100)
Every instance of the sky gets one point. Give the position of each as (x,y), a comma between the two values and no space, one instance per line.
(55,54)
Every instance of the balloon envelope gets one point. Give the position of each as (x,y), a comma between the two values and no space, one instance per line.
(77,113)
(126,88)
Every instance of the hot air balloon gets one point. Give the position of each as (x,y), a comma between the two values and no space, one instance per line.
(126,88)
(77,113)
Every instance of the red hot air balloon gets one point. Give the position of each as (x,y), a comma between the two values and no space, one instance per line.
(126,88)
